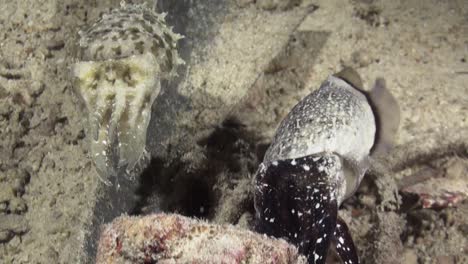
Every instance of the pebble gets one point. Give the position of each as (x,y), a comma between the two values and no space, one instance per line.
(11,224)
(361,58)
(277,4)
(3,92)
(18,205)
(3,207)
(244,3)
(410,257)
(456,168)
(367,200)
(52,255)
(445,260)
(5,236)
(464,229)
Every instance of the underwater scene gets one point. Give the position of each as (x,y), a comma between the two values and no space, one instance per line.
(234,131)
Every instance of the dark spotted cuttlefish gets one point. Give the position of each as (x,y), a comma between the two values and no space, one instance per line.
(317,159)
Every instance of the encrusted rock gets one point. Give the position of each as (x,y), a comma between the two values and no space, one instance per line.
(171,238)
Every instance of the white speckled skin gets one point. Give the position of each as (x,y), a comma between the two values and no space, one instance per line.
(335,119)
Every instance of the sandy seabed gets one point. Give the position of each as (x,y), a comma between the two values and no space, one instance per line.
(48,183)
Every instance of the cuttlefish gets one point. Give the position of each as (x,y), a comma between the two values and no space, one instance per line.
(317,159)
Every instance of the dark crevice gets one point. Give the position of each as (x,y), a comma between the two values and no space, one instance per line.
(229,156)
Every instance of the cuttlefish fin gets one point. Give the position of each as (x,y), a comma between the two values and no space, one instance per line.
(385,108)
(387,114)
(344,243)
(351,76)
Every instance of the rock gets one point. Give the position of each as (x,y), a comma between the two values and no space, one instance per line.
(436,191)
(171,238)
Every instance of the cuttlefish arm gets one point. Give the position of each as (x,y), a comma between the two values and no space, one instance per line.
(296,200)
(344,243)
